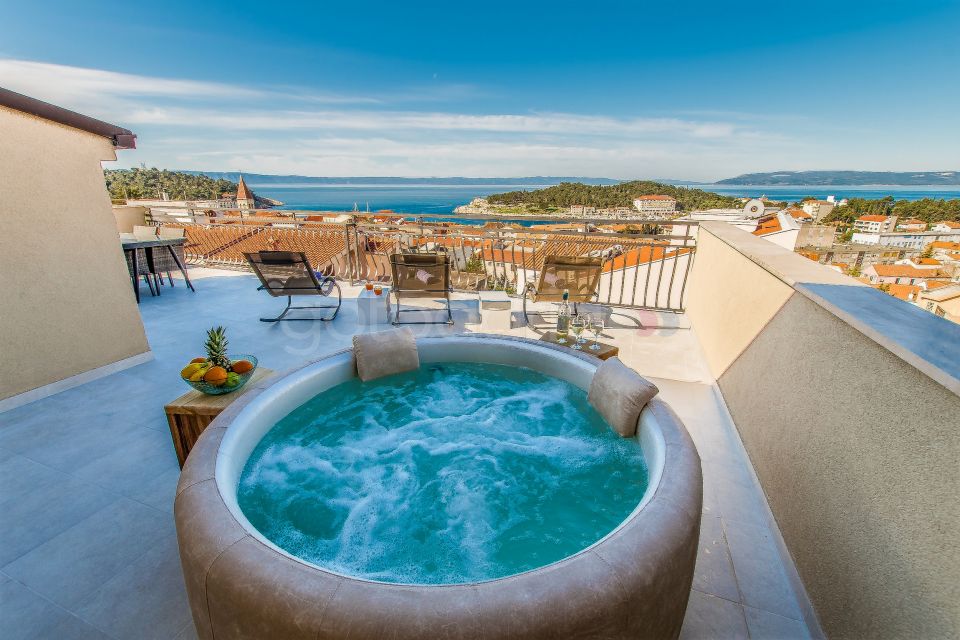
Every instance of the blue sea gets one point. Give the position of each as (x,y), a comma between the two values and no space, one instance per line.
(439,199)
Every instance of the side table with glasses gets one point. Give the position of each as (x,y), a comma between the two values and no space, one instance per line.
(373,305)
(603,351)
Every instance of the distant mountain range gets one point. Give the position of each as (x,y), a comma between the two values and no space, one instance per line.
(267,179)
(847,178)
(772,178)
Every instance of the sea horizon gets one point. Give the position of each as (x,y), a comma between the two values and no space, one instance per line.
(443,198)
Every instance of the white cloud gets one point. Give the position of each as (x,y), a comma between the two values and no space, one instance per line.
(283,129)
(365,119)
(60,83)
(75,86)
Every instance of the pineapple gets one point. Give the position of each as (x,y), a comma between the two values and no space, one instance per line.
(216,346)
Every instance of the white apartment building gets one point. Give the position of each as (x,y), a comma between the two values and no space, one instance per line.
(946,226)
(915,241)
(912,225)
(655,204)
(875,224)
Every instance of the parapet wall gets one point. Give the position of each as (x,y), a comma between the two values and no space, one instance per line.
(847,403)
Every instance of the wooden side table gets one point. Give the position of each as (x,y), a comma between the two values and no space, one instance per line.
(606,350)
(192,412)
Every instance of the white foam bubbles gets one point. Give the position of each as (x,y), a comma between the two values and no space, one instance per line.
(453,473)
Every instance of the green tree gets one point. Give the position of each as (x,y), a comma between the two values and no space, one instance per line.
(153,183)
(474,264)
(567,194)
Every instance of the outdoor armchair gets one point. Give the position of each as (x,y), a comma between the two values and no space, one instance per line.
(421,275)
(289,273)
(580,275)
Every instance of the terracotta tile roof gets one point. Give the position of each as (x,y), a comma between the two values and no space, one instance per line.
(767,225)
(643,255)
(873,218)
(927,261)
(799,214)
(905,271)
(906,292)
(950,223)
(948,292)
(227,243)
(943,244)
(652,197)
(936,284)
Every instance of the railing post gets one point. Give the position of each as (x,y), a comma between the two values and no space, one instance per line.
(346,245)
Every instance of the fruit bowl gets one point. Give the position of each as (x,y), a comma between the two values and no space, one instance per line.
(215,390)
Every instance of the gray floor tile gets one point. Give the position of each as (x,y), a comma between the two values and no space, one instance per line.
(19,476)
(764,625)
(70,566)
(189,632)
(66,447)
(159,492)
(73,628)
(46,511)
(714,571)
(737,503)
(145,600)
(712,618)
(759,570)
(24,615)
(127,467)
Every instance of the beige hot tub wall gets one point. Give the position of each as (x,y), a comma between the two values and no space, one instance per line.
(856,449)
(68,306)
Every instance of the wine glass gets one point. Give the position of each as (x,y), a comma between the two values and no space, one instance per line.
(577,325)
(596,327)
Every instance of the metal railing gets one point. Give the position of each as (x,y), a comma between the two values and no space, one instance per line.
(644,266)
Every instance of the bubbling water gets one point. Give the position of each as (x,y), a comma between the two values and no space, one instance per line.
(456,472)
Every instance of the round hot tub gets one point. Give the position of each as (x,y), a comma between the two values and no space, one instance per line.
(631,578)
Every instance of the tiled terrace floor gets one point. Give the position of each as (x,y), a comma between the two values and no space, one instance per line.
(87,477)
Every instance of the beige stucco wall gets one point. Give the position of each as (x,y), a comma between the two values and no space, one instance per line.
(127,217)
(67,302)
(729,300)
(857,452)
(855,448)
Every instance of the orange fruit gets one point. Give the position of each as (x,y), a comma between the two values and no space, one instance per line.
(198,360)
(215,376)
(241,366)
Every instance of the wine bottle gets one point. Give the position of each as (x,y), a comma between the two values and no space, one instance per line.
(563,318)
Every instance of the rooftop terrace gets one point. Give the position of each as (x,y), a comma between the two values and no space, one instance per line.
(825,412)
(88,543)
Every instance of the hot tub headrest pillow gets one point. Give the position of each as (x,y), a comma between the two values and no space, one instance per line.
(619,393)
(384,353)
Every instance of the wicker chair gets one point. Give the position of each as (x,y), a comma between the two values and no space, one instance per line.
(161,262)
(143,269)
(421,275)
(288,273)
(578,275)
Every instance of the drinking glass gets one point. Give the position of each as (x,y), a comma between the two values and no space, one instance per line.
(596,327)
(577,325)
(368,285)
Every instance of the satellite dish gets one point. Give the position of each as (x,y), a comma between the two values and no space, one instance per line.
(754,208)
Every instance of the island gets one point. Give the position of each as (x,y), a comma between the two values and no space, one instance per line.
(616,200)
(846,178)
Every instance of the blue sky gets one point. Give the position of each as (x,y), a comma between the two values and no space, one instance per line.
(690,90)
